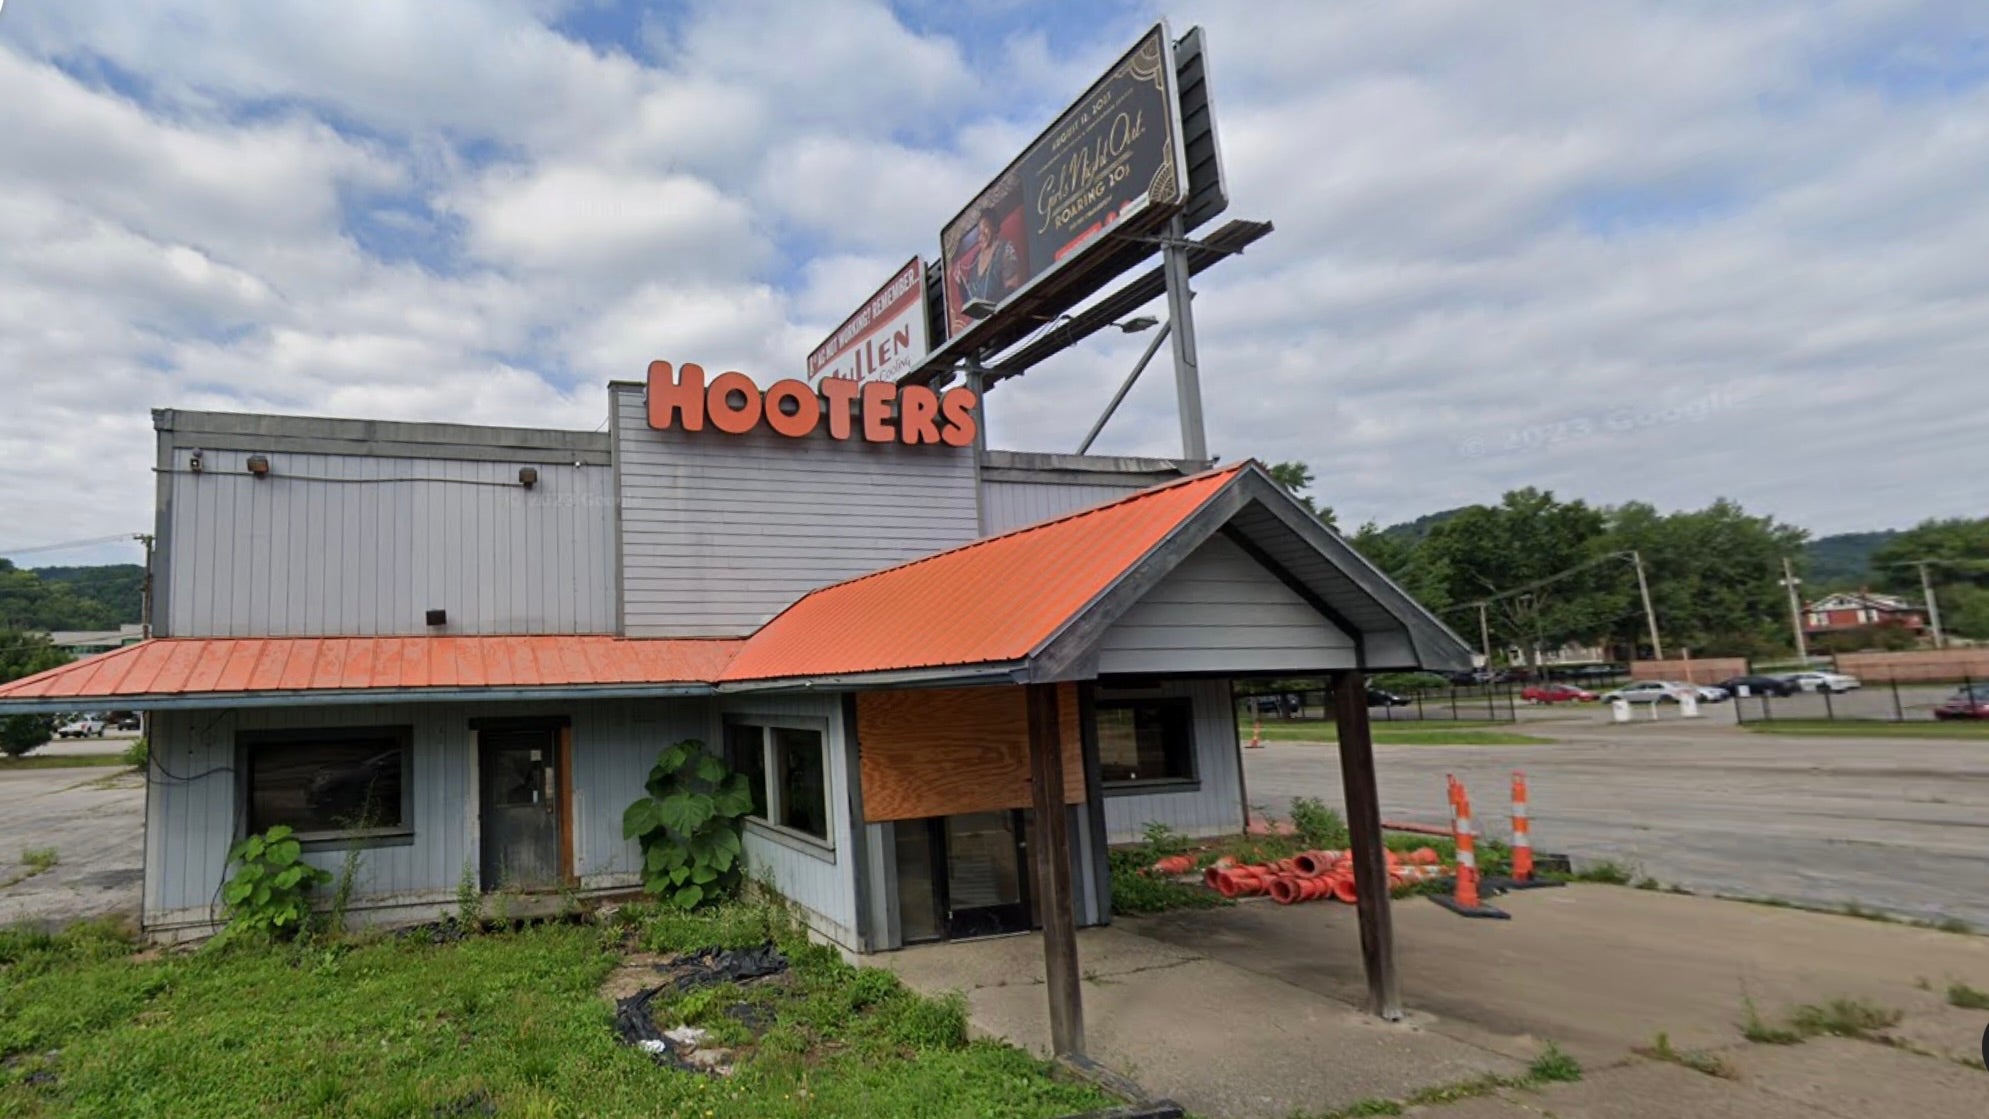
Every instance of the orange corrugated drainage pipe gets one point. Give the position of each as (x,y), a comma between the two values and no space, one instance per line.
(1175,864)
(1284,890)
(1343,888)
(1312,864)
(1425,856)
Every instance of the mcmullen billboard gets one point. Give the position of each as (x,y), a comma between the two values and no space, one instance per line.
(884,340)
(1111,159)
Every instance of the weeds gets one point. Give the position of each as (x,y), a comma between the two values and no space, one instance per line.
(1552,1066)
(39,860)
(1697,1060)
(1319,826)
(1966,997)
(1842,1017)
(348,875)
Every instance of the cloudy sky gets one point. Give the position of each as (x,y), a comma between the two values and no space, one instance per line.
(1658,251)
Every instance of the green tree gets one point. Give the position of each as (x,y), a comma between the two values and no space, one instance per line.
(24,654)
(28,602)
(1957,551)
(1295,478)
(1714,577)
(1541,556)
(117,587)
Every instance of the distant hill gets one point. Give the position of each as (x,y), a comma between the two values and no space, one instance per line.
(1844,559)
(70,598)
(1413,532)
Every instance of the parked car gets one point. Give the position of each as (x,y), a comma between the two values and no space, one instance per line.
(1647,691)
(81,728)
(127,720)
(1971,702)
(1710,693)
(1819,681)
(1556,693)
(1378,698)
(1759,685)
(1275,704)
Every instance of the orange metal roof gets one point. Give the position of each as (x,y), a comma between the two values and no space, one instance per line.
(245,665)
(990,602)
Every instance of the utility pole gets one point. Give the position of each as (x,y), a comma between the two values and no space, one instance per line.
(1650,615)
(1485,634)
(1790,581)
(1933,607)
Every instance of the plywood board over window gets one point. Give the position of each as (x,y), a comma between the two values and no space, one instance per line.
(945,751)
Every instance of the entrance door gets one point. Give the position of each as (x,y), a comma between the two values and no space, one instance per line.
(520,808)
(987,885)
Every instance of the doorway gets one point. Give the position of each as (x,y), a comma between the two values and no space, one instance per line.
(523,813)
(963,876)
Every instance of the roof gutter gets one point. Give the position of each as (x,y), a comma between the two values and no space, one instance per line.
(195,701)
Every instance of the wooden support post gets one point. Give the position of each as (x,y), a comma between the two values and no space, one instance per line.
(1054,901)
(1364,831)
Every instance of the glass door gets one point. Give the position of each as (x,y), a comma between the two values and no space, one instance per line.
(987,886)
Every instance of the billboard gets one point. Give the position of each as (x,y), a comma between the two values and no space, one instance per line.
(1112,158)
(884,340)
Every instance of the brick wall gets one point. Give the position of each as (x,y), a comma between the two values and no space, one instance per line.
(1915,665)
(1698,670)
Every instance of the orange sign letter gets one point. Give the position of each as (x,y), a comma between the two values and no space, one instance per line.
(957,408)
(807,409)
(668,396)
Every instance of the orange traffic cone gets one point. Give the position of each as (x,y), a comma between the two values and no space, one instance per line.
(1465,901)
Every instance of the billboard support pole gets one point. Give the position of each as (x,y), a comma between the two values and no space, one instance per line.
(1181,316)
(1126,386)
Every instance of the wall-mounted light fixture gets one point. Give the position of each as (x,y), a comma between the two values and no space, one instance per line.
(978,308)
(195,464)
(1135,325)
(438,617)
(528,476)
(259,465)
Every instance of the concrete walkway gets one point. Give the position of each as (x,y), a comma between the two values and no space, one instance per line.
(1250,1012)
(93,818)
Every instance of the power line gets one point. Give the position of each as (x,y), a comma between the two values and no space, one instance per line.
(67,544)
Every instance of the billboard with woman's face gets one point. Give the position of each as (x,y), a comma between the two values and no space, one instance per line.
(1112,157)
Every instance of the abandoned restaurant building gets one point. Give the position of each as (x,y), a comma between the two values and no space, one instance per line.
(490,633)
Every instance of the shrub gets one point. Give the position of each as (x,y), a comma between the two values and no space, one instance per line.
(269,894)
(689,826)
(1319,826)
(138,755)
(22,733)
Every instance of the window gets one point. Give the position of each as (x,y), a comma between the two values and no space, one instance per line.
(787,767)
(329,784)
(1146,741)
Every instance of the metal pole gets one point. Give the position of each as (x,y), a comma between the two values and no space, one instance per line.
(1181,315)
(1485,634)
(1933,607)
(1125,387)
(1650,615)
(1790,581)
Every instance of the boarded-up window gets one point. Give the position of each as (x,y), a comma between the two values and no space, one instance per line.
(946,751)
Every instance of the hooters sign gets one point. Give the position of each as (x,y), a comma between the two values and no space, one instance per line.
(873,411)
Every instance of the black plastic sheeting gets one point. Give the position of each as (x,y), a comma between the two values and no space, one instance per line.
(637,1026)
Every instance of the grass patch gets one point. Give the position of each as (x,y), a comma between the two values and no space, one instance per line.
(502,1024)
(1863,913)
(1853,728)
(39,859)
(1606,872)
(1968,998)
(1419,732)
(1552,1066)
(50,761)
(1841,1017)
(1698,1060)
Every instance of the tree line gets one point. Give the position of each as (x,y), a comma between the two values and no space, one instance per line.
(1552,572)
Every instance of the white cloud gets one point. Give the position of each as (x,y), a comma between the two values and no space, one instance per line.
(1495,224)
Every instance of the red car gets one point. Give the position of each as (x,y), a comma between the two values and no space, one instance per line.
(1971,702)
(1556,693)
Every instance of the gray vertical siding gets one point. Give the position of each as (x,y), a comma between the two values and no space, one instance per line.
(1011,505)
(822,883)
(358,544)
(192,799)
(1222,611)
(721,532)
(1216,807)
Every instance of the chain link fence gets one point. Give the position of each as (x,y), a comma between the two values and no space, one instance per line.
(1855,698)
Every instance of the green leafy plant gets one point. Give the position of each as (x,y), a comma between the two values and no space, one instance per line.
(689,825)
(22,733)
(269,892)
(1319,826)
(138,754)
